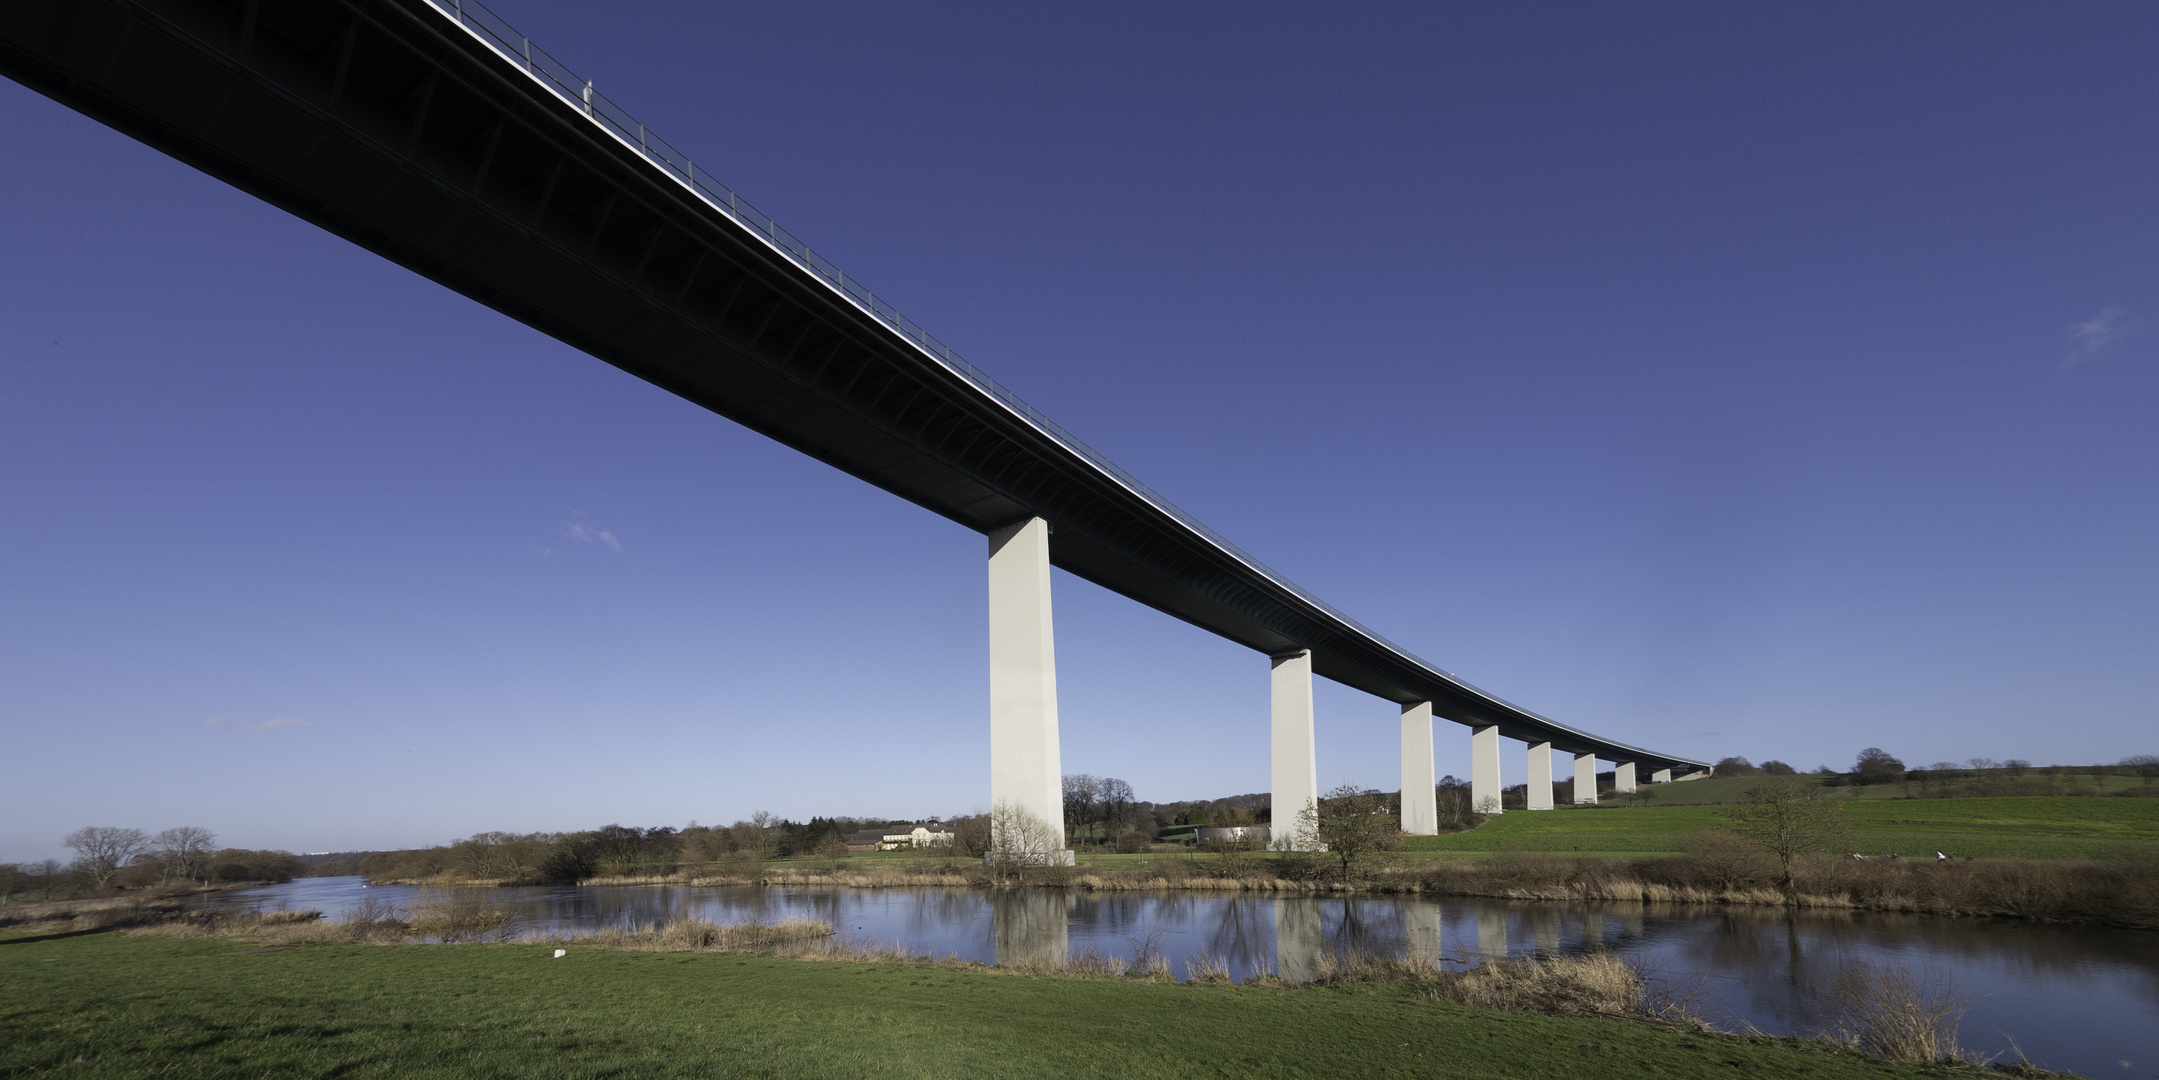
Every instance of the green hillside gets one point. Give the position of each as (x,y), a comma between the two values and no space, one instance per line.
(2038,827)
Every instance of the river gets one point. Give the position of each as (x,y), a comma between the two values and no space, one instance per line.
(2074,998)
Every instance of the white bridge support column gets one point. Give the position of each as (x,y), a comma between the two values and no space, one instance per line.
(1420,803)
(1024,765)
(1540,776)
(1661,776)
(1295,780)
(1623,779)
(1484,769)
(1585,779)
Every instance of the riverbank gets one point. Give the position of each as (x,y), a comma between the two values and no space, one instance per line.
(105,1005)
(2119,893)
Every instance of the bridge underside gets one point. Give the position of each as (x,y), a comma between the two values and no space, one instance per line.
(385,123)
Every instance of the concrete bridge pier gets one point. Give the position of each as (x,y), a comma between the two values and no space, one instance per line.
(1026,780)
(1623,779)
(1585,779)
(1420,805)
(1661,776)
(1295,765)
(1540,776)
(1484,769)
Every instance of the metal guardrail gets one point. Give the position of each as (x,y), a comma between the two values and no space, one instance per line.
(493,31)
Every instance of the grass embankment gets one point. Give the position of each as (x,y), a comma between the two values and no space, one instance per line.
(2029,827)
(110,1006)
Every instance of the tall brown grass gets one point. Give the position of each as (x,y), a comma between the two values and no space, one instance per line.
(1897,1012)
(1598,985)
(699,935)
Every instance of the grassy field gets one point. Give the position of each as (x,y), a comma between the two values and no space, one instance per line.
(2035,827)
(1727,790)
(102,1005)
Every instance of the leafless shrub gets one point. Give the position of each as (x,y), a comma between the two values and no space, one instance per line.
(1893,1011)
(1147,955)
(452,913)
(1724,859)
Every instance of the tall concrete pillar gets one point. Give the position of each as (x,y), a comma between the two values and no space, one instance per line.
(1661,776)
(1025,772)
(1585,779)
(1623,779)
(1420,805)
(1540,776)
(1484,769)
(1296,768)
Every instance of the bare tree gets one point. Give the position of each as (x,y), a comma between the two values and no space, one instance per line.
(1116,800)
(48,874)
(105,850)
(183,852)
(1019,839)
(1352,824)
(1788,818)
(1724,857)
(1081,792)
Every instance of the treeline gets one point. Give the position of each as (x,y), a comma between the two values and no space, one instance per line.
(1973,777)
(110,857)
(615,850)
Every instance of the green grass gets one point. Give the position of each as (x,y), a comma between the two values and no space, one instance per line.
(107,1006)
(2036,827)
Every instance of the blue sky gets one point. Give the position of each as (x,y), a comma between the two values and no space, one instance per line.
(1769,380)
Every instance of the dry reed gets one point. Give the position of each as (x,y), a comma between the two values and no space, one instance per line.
(1896,1012)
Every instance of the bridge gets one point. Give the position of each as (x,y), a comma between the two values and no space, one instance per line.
(433,134)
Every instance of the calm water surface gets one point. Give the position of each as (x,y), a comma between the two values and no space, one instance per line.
(2073,998)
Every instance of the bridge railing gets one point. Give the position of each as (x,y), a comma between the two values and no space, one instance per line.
(498,34)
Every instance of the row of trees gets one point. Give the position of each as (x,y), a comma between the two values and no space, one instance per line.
(110,857)
(1878,766)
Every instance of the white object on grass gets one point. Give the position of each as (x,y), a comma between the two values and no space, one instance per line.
(560,953)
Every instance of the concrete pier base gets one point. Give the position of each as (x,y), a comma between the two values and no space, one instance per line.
(1484,769)
(1540,776)
(1623,779)
(1585,779)
(1420,804)
(1661,776)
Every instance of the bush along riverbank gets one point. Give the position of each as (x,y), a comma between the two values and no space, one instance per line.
(799,1002)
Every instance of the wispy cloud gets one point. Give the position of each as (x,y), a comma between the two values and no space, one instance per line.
(581,531)
(2092,336)
(267,725)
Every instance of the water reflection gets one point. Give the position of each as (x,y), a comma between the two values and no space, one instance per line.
(2073,998)
(1032,928)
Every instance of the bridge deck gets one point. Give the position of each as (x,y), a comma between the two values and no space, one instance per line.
(432,135)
